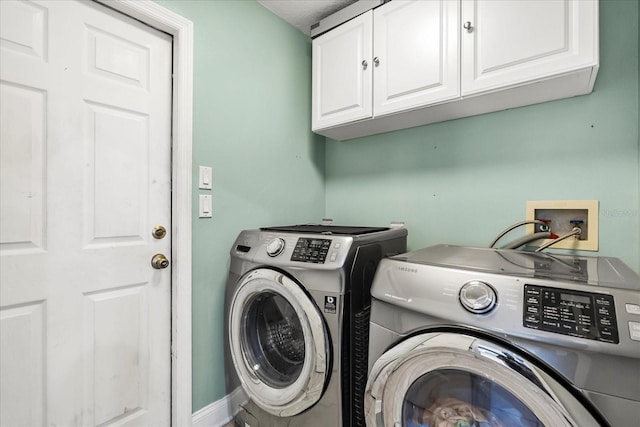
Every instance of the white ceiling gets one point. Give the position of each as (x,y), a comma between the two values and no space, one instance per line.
(304,13)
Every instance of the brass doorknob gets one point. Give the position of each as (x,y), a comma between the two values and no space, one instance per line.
(159,261)
(159,232)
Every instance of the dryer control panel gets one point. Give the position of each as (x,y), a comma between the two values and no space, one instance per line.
(311,250)
(569,312)
(316,252)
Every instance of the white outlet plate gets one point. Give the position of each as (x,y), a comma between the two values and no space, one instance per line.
(206,206)
(205,178)
(563,208)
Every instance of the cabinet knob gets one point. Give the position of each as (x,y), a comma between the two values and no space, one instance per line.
(364,64)
(467,26)
(376,61)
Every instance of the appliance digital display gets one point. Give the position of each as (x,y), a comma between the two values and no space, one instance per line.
(311,250)
(575,298)
(575,313)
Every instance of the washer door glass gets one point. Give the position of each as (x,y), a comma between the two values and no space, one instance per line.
(273,339)
(278,342)
(452,397)
(445,379)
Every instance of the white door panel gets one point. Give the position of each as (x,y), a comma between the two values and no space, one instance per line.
(23,108)
(22,329)
(21,158)
(86,101)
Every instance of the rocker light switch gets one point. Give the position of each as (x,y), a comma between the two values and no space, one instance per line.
(206,205)
(206,178)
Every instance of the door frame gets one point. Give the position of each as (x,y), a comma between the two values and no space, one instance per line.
(156,16)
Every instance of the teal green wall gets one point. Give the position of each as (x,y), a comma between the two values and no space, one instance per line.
(252,126)
(463,181)
(458,182)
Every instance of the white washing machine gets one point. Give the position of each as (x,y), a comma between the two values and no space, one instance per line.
(297,320)
(485,337)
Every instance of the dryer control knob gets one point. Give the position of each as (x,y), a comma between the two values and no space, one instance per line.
(478,297)
(275,247)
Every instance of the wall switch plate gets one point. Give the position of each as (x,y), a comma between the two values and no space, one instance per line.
(206,206)
(562,213)
(205,178)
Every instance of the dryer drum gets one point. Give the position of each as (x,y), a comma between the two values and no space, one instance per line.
(478,401)
(286,340)
(273,339)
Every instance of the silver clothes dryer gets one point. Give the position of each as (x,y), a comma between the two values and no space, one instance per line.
(485,337)
(297,319)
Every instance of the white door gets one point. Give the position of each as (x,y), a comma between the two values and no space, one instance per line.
(510,42)
(85,140)
(415,49)
(341,74)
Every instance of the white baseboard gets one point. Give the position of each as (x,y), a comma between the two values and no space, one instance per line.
(218,413)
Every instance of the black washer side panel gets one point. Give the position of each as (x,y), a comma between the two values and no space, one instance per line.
(355,333)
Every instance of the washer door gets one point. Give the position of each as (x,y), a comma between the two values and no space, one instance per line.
(279,343)
(452,379)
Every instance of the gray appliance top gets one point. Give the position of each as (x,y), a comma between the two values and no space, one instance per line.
(597,271)
(314,246)
(326,229)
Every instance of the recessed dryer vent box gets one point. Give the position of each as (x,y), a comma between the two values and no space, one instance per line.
(564,216)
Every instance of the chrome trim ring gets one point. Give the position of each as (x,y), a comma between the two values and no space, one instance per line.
(397,369)
(307,389)
(478,297)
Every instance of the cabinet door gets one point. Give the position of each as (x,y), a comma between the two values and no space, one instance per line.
(512,42)
(341,74)
(416,54)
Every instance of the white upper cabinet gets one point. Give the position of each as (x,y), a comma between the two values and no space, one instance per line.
(341,73)
(411,63)
(408,49)
(415,48)
(511,42)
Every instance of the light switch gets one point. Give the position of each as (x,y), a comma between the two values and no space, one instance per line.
(206,178)
(206,205)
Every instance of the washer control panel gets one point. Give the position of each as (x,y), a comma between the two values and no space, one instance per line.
(311,250)
(568,312)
